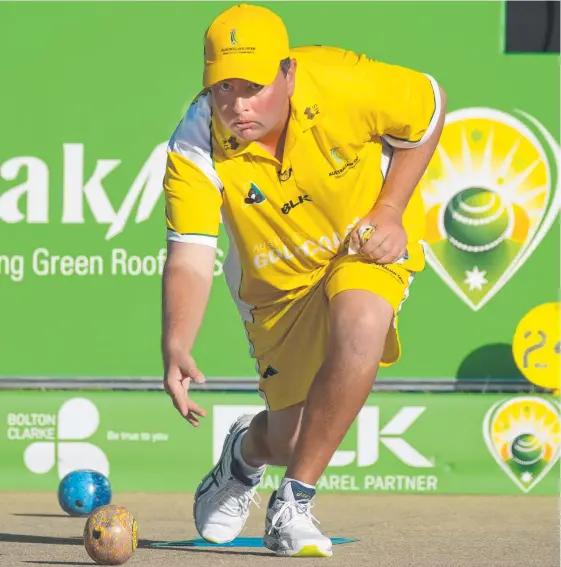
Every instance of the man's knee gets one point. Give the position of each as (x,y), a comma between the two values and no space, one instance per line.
(360,321)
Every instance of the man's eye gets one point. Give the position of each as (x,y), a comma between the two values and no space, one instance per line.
(225,86)
(255,87)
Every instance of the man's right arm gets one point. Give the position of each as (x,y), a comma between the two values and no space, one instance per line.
(193,198)
(186,285)
(187,281)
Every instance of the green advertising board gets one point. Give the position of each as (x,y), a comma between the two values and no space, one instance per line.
(89,102)
(400,443)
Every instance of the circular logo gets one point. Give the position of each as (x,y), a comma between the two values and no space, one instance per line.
(527,449)
(536,346)
(477,220)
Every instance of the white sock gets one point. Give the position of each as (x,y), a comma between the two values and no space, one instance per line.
(248,470)
(286,480)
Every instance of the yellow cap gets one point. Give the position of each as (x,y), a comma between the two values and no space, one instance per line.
(245,42)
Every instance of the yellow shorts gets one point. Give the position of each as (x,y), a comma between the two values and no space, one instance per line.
(290,340)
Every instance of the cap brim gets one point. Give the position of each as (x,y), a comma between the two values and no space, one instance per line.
(260,72)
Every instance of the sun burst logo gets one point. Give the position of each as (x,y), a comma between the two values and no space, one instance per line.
(491,192)
(523,435)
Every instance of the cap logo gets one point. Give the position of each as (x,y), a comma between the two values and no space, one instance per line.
(235,47)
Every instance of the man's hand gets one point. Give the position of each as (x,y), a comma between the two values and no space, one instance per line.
(388,243)
(186,284)
(180,371)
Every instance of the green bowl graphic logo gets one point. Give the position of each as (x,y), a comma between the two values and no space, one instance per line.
(527,449)
(491,193)
(477,220)
(523,435)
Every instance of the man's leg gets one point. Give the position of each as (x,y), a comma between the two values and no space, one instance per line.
(223,498)
(271,437)
(359,323)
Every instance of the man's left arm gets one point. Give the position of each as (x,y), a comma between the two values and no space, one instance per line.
(408,111)
(409,165)
(389,241)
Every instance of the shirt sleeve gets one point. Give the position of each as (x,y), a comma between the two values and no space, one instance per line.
(192,188)
(398,104)
(192,202)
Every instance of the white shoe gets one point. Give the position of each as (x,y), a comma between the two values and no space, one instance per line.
(289,527)
(222,499)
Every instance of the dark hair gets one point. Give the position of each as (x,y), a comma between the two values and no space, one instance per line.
(285,65)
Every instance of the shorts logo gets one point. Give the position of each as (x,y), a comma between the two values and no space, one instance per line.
(269,371)
(388,269)
(491,192)
(287,207)
(254,196)
(523,435)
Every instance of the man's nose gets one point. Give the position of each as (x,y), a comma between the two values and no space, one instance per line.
(239,105)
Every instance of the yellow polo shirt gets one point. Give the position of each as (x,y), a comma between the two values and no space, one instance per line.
(287,220)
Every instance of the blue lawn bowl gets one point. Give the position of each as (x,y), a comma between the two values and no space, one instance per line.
(80,492)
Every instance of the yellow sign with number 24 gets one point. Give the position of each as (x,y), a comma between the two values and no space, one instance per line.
(536,345)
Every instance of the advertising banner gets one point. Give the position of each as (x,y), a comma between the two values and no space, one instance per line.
(400,443)
(88,104)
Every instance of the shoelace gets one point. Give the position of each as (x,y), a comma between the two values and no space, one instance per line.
(236,498)
(303,508)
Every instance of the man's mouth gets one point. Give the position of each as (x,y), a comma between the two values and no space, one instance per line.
(244,125)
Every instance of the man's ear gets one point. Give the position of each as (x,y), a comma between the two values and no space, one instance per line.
(291,77)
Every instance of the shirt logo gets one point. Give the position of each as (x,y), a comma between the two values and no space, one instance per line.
(284,175)
(311,112)
(287,207)
(254,195)
(337,156)
(231,143)
(342,161)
